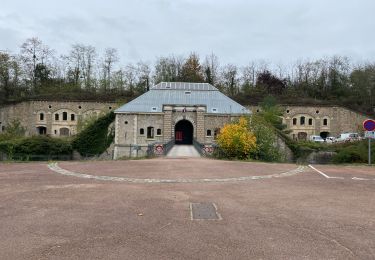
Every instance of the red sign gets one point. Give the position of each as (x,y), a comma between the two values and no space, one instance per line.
(369,125)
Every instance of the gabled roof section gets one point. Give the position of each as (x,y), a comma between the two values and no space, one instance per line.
(183,94)
(184,86)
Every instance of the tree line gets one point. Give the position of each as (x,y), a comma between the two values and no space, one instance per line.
(38,72)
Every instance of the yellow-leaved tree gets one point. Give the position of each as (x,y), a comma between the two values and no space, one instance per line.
(236,140)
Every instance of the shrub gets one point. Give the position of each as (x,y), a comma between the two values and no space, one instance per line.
(95,138)
(236,140)
(353,152)
(265,140)
(36,148)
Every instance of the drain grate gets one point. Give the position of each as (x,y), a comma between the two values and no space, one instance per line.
(204,211)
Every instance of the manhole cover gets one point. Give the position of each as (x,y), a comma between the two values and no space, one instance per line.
(205,211)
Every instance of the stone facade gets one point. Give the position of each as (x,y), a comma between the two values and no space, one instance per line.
(53,118)
(304,121)
(138,130)
(133,130)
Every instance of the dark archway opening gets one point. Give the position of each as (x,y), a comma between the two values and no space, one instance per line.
(64,131)
(302,136)
(324,135)
(42,130)
(184,132)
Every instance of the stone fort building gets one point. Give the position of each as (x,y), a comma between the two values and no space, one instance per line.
(53,118)
(174,111)
(304,121)
(168,108)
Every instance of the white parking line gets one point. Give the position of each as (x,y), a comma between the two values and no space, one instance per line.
(322,173)
(360,179)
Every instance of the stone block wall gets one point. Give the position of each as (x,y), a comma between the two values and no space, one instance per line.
(333,120)
(29,115)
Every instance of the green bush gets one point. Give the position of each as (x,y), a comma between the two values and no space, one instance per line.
(36,148)
(353,152)
(95,138)
(265,140)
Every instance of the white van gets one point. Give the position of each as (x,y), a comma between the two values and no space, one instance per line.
(316,138)
(348,137)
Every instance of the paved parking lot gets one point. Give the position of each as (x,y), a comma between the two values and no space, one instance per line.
(301,215)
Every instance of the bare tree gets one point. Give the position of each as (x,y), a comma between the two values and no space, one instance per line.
(81,64)
(168,69)
(110,58)
(211,68)
(230,79)
(34,52)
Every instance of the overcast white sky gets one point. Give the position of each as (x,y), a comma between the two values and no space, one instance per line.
(278,31)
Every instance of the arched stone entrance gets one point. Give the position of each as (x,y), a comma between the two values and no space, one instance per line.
(184,132)
(64,131)
(41,130)
(324,135)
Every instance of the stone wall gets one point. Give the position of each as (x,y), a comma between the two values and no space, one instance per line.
(52,117)
(317,120)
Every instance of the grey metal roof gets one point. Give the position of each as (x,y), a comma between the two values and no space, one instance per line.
(185,86)
(177,93)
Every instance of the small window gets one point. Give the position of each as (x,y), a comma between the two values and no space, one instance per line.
(126,122)
(158,131)
(141,131)
(55,132)
(41,116)
(317,111)
(294,121)
(287,111)
(57,117)
(109,108)
(302,120)
(208,133)
(168,87)
(257,110)
(214,109)
(49,106)
(310,121)
(72,117)
(65,116)
(153,109)
(150,132)
(325,121)
(187,92)
(79,107)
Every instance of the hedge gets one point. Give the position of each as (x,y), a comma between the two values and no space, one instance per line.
(36,148)
(96,137)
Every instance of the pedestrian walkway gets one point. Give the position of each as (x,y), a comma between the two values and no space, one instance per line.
(183,151)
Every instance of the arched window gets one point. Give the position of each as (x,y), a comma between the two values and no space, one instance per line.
(302,120)
(72,117)
(65,116)
(310,121)
(150,132)
(325,121)
(209,133)
(56,117)
(158,131)
(294,121)
(41,116)
(141,131)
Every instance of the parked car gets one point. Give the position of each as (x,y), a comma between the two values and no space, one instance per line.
(316,138)
(348,137)
(330,139)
